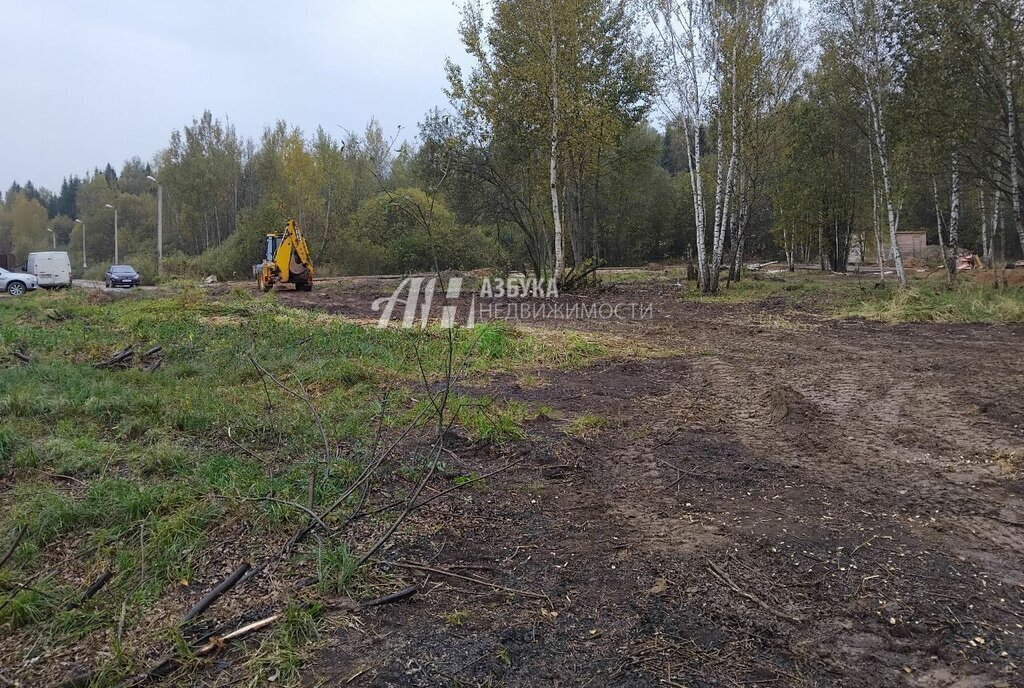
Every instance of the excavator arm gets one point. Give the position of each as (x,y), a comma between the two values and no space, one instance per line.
(287,260)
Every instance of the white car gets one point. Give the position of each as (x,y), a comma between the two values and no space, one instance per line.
(17,283)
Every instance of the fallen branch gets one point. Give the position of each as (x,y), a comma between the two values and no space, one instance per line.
(212,596)
(392,598)
(471,579)
(284,502)
(91,591)
(243,631)
(24,358)
(21,586)
(150,352)
(14,546)
(117,359)
(724,577)
(437,496)
(169,664)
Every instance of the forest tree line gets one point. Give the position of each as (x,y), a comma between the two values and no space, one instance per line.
(584,131)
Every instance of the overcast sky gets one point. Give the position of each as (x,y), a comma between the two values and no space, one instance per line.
(89,82)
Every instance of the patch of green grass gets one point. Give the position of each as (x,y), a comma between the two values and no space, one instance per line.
(963,303)
(456,617)
(36,601)
(335,566)
(490,421)
(586,425)
(144,472)
(280,657)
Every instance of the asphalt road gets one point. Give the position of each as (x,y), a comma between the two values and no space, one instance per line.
(79,284)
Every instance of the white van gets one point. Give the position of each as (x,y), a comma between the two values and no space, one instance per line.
(51,268)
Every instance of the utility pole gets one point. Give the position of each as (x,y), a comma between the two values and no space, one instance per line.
(116,260)
(159,225)
(84,263)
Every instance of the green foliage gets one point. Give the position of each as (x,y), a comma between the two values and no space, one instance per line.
(586,425)
(407,231)
(590,54)
(27,218)
(490,421)
(335,566)
(141,472)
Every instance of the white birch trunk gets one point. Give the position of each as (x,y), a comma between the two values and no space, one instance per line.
(875,223)
(984,228)
(556,214)
(939,225)
(996,221)
(954,214)
(712,283)
(697,189)
(724,191)
(1011,130)
(883,164)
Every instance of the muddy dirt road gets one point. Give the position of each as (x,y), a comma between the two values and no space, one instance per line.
(778,499)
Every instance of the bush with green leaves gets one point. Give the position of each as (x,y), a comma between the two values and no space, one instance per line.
(406,230)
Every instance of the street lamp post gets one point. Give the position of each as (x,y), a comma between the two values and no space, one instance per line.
(84,263)
(54,235)
(116,260)
(159,224)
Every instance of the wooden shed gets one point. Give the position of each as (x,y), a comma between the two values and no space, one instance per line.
(913,244)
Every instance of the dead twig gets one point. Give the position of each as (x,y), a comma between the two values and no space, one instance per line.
(21,586)
(724,577)
(24,358)
(119,358)
(212,596)
(14,545)
(91,591)
(471,579)
(284,502)
(392,598)
(245,449)
(167,665)
(437,496)
(305,399)
(238,633)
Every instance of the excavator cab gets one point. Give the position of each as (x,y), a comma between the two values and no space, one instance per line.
(285,260)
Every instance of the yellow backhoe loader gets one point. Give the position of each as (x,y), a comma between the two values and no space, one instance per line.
(286,261)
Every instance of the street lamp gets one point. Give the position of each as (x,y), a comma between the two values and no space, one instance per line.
(84,264)
(107,205)
(159,224)
(54,235)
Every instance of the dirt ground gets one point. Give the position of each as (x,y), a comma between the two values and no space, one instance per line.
(778,499)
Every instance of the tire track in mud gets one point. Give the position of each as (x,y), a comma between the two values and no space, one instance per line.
(900,415)
(822,465)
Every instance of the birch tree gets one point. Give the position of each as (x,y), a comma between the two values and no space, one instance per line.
(555,81)
(858,31)
(687,98)
(726,65)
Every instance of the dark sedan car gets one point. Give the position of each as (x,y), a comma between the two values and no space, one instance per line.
(122,276)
